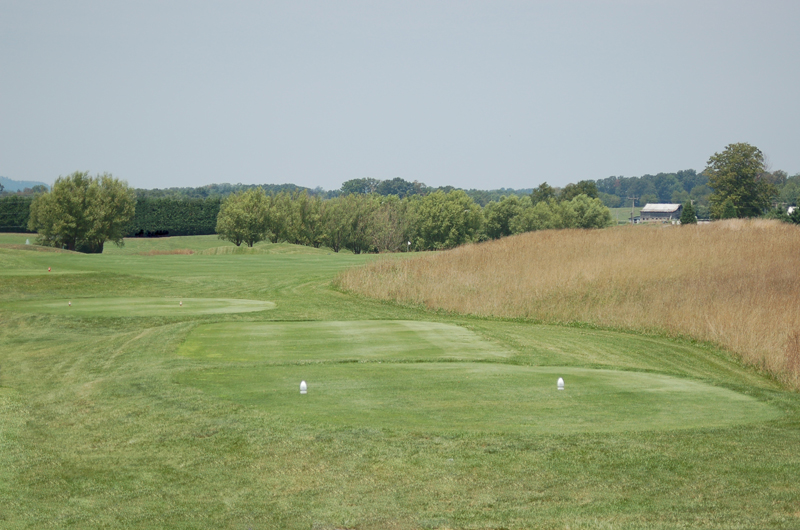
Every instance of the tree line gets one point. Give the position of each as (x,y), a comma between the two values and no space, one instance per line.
(368,222)
(83,212)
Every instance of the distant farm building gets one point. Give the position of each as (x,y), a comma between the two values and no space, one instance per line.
(665,213)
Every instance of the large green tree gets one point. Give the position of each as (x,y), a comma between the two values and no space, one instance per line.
(83,212)
(243,217)
(498,216)
(737,175)
(444,220)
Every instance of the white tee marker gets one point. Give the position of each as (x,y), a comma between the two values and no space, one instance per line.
(69,304)
(180,303)
(303,387)
(560,384)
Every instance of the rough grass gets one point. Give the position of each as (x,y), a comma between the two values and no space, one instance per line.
(734,283)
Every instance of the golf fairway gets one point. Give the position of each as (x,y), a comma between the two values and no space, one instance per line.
(140,307)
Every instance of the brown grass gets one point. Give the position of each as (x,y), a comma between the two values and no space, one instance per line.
(167,252)
(735,283)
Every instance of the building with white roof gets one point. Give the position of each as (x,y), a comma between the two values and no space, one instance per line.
(664,213)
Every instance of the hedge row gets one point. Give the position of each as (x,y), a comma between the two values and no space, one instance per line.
(14,213)
(175,217)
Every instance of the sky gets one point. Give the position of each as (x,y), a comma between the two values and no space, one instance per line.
(471,94)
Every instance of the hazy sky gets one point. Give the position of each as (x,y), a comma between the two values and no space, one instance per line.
(470,94)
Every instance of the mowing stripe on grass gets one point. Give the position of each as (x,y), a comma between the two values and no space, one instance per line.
(281,342)
(140,307)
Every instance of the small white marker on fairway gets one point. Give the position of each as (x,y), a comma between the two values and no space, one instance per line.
(303,387)
(69,304)
(560,384)
(180,303)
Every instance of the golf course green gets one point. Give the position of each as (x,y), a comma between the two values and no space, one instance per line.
(190,414)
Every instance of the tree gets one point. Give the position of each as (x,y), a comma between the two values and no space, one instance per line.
(388,225)
(537,216)
(444,220)
(688,216)
(584,187)
(243,217)
(396,186)
(590,212)
(83,212)
(727,210)
(498,215)
(737,175)
(346,222)
(543,193)
(365,186)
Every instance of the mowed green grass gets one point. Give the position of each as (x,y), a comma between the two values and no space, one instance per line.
(370,340)
(623,214)
(356,381)
(141,306)
(442,398)
(412,420)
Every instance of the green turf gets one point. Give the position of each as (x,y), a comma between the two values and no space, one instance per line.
(276,342)
(16,239)
(114,422)
(480,397)
(139,307)
(623,215)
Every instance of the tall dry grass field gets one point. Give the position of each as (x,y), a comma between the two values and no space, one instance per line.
(735,283)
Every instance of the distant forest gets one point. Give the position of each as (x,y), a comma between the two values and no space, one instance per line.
(679,187)
(191,210)
(397,186)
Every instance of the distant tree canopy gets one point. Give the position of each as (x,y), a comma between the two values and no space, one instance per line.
(584,187)
(83,212)
(674,188)
(219,191)
(543,193)
(737,176)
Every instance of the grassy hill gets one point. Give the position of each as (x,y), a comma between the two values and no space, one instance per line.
(143,390)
